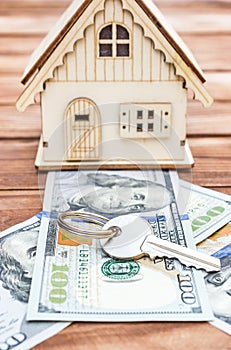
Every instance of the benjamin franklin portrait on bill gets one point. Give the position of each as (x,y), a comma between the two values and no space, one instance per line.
(219,286)
(17,255)
(118,195)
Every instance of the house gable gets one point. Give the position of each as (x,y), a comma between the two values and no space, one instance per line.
(142,26)
(140,62)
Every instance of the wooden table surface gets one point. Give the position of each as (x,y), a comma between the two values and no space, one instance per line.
(205,26)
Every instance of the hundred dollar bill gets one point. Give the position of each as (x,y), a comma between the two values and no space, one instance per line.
(17,253)
(219,284)
(217,241)
(208,210)
(75,280)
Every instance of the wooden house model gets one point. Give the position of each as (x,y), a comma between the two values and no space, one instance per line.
(113,79)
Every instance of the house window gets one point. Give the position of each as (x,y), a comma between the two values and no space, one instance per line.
(139,127)
(114,41)
(139,114)
(150,114)
(150,127)
(82,117)
(145,121)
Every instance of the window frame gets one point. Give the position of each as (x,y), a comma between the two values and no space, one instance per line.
(114,41)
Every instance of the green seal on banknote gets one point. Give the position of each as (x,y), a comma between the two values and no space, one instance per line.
(120,269)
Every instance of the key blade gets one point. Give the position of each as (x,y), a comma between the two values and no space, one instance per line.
(154,246)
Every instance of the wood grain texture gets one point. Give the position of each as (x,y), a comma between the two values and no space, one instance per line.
(136,336)
(17,206)
(12,125)
(205,26)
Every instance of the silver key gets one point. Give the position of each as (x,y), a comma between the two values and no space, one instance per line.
(135,239)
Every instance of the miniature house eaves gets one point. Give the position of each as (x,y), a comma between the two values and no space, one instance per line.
(80,15)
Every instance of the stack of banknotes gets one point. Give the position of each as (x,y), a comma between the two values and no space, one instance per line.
(51,275)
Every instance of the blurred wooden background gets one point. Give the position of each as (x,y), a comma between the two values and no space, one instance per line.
(205,26)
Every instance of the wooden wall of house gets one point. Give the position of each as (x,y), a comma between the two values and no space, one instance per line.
(145,63)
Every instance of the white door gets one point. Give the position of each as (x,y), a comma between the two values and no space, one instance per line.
(83,130)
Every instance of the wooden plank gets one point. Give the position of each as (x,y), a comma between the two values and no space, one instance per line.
(205,175)
(212,158)
(20,125)
(18,175)
(18,206)
(11,88)
(25,4)
(17,170)
(193,3)
(211,147)
(211,51)
(19,44)
(62,4)
(13,64)
(219,85)
(30,23)
(17,150)
(8,217)
(135,336)
(196,21)
(215,120)
(20,200)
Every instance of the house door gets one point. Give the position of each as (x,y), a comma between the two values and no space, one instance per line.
(83,130)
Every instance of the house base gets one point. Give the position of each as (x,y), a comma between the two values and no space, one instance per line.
(42,165)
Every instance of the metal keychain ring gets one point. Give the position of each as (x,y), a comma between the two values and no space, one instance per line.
(90,218)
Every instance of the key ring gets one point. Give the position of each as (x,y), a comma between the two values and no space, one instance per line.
(89,218)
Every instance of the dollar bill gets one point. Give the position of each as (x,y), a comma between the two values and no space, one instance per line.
(217,241)
(17,253)
(219,290)
(208,210)
(76,280)
(219,284)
